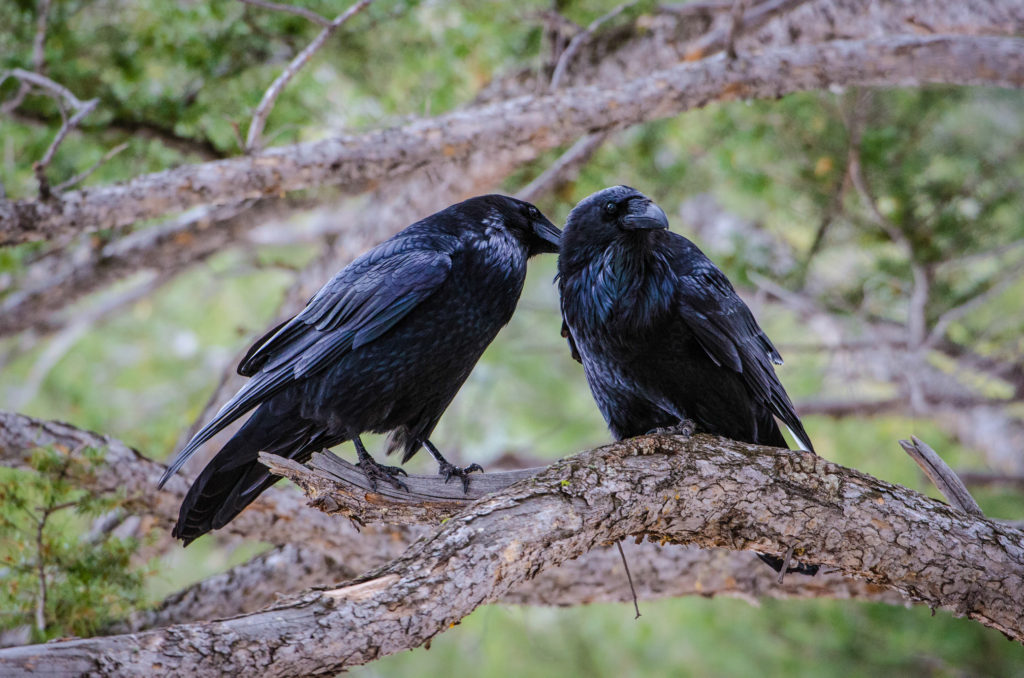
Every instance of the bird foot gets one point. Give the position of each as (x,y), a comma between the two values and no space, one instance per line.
(448,470)
(685,428)
(786,565)
(375,472)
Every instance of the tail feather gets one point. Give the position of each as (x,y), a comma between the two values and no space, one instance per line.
(234,478)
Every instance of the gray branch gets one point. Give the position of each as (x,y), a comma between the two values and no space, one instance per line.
(542,122)
(702,491)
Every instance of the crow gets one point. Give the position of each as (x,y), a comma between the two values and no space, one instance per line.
(383,347)
(662,335)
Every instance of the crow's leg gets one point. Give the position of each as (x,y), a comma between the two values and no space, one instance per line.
(684,428)
(786,566)
(374,471)
(447,469)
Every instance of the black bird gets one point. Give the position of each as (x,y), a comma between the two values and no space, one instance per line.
(662,335)
(383,347)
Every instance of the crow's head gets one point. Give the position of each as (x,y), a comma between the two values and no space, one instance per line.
(608,215)
(518,218)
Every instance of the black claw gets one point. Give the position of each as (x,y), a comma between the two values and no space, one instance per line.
(685,428)
(374,472)
(792,567)
(448,470)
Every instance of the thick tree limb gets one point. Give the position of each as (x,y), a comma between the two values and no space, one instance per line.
(279,516)
(541,122)
(53,283)
(704,491)
(325,550)
(668,571)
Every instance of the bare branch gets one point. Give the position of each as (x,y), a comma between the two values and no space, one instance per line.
(308,14)
(82,176)
(259,118)
(667,571)
(279,516)
(740,21)
(564,169)
(54,283)
(944,478)
(1008,279)
(580,38)
(702,490)
(931,403)
(38,58)
(541,122)
(40,167)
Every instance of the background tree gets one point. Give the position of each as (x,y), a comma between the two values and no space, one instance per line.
(876,231)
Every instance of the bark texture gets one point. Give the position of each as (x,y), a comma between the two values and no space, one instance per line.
(703,491)
(355,161)
(279,516)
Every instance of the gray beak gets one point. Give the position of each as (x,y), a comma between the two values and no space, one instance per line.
(644,215)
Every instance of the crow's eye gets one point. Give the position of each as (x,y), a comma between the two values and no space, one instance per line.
(534,212)
(610,207)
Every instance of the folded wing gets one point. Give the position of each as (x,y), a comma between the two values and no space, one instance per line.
(731,337)
(361,303)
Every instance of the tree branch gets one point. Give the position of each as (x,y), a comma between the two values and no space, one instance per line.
(542,122)
(668,571)
(704,491)
(279,516)
(580,38)
(307,14)
(317,549)
(259,118)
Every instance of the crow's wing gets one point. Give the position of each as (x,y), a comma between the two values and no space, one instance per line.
(728,332)
(362,302)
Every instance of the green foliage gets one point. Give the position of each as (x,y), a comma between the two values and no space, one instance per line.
(178,81)
(56,577)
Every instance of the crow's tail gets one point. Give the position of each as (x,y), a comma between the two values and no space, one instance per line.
(235,477)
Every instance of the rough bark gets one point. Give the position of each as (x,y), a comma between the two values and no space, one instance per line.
(279,516)
(703,491)
(353,162)
(668,571)
(315,557)
(62,278)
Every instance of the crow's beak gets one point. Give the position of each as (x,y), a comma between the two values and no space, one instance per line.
(644,215)
(549,234)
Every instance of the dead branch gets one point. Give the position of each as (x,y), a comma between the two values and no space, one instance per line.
(564,169)
(668,571)
(541,122)
(259,118)
(724,37)
(317,549)
(279,517)
(580,38)
(85,174)
(307,14)
(705,491)
(944,478)
(53,283)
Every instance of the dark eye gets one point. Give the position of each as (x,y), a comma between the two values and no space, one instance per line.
(534,212)
(610,207)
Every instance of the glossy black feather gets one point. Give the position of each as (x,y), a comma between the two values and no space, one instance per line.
(661,332)
(383,347)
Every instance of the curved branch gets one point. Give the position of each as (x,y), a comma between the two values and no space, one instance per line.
(703,491)
(279,516)
(542,122)
(668,571)
(327,550)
